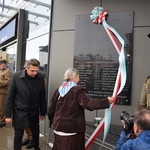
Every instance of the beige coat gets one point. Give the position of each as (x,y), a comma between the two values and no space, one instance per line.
(5,76)
(4,81)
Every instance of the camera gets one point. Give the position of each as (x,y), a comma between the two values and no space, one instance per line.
(128,120)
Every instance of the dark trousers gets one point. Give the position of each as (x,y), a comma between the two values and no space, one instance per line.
(18,138)
(19,135)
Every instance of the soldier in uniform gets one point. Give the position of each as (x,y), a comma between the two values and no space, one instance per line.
(5,75)
(144,101)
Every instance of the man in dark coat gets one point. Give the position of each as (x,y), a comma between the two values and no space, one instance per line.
(26,103)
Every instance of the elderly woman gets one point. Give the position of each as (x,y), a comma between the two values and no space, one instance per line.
(66,112)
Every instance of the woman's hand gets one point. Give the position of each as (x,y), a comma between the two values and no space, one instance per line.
(111,99)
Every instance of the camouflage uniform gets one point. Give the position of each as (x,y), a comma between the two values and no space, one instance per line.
(144,101)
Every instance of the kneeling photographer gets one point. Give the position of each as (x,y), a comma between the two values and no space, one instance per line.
(136,132)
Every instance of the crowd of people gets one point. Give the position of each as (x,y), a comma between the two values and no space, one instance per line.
(23,104)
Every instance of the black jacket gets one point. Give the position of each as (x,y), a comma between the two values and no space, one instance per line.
(25,102)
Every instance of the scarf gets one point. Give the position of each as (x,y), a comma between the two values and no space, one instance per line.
(65,87)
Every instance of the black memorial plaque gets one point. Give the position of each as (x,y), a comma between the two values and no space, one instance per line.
(97,59)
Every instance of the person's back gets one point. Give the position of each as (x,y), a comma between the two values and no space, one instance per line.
(66,112)
(142,142)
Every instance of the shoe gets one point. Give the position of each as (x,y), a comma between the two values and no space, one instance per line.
(2,125)
(29,145)
(25,142)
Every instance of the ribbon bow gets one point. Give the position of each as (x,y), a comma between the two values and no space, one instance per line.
(98,15)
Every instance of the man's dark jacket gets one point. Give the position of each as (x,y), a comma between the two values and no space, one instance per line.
(24,101)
